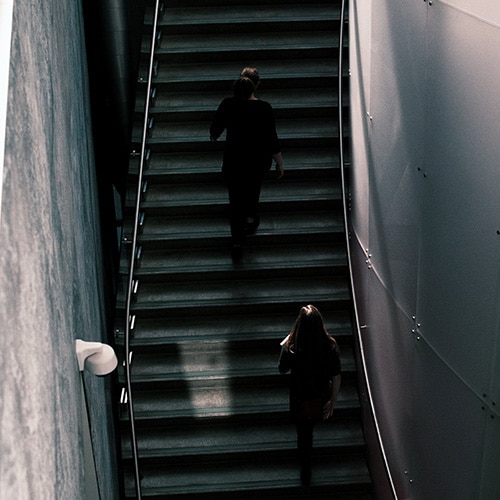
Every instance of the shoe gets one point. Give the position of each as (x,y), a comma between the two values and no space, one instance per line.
(236,252)
(252,225)
(305,475)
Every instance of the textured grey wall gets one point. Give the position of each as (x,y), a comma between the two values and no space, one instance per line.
(426,227)
(50,263)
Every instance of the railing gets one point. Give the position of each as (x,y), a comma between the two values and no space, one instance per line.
(346,225)
(133,253)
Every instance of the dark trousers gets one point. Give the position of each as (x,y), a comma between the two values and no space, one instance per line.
(244,194)
(305,441)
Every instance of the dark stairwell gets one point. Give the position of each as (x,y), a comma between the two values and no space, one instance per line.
(211,409)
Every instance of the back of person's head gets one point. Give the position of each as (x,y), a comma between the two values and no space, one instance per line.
(309,332)
(243,88)
(252,73)
(310,327)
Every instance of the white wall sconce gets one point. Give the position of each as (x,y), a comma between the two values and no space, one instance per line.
(98,358)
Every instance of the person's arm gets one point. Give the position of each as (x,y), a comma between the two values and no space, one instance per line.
(330,404)
(273,141)
(284,362)
(278,158)
(219,123)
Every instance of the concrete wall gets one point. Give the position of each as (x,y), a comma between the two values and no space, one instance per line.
(426,237)
(50,265)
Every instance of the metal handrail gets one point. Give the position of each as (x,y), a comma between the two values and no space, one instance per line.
(349,260)
(130,284)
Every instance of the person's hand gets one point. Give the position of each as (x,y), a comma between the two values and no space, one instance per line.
(328,409)
(280,170)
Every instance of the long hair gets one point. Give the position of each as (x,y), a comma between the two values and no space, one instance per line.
(309,336)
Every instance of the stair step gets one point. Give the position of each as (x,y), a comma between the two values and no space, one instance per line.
(274,17)
(241,46)
(231,437)
(162,333)
(275,73)
(198,195)
(183,167)
(220,396)
(191,361)
(257,479)
(173,350)
(174,105)
(224,3)
(167,262)
(181,231)
(156,298)
(191,135)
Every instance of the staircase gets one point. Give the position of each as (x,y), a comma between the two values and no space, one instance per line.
(211,408)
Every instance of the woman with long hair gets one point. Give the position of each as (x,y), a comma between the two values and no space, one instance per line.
(313,358)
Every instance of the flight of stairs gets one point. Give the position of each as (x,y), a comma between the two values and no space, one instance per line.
(211,408)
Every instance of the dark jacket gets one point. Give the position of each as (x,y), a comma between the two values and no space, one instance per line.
(251,137)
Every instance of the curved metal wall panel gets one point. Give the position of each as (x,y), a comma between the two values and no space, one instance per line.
(426,218)
(460,251)
(360,70)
